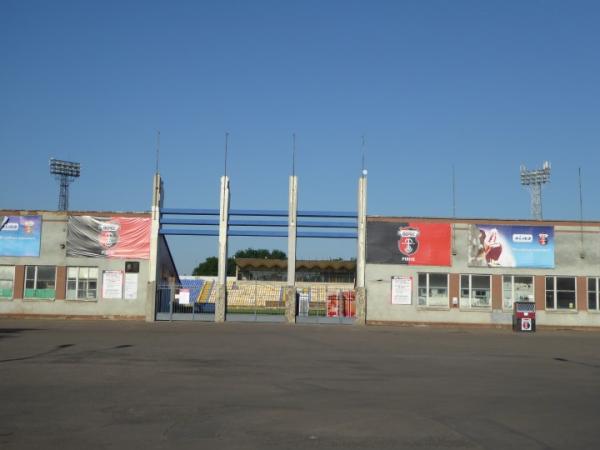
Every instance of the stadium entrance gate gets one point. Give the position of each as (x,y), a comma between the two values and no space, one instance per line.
(253,301)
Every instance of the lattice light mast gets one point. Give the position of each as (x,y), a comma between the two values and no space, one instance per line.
(65,172)
(535,179)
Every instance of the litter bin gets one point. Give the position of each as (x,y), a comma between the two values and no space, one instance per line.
(524,316)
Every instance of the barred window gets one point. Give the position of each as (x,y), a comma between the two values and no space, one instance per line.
(82,283)
(561,293)
(7,279)
(433,289)
(40,282)
(516,289)
(475,291)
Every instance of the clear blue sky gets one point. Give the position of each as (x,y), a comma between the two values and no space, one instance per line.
(483,85)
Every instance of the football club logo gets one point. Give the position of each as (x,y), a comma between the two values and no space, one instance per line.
(408,240)
(109,234)
(543,238)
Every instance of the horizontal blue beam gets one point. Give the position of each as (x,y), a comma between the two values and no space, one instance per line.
(326,234)
(259,212)
(334,214)
(169,221)
(187,232)
(257,233)
(190,212)
(260,233)
(319,224)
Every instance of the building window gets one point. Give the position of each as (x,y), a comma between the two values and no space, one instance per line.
(561,293)
(516,289)
(433,289)
(40,282)
(594,294)
(82,283)
(7,278)
(475,291)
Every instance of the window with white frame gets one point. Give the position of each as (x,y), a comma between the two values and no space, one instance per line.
(82,283)
(433,289)
(561,293)
(40,282)
(594,294)
(475,291)
(516,288)
(7,280)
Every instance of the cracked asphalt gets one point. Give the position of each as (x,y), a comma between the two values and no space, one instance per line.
(110,385)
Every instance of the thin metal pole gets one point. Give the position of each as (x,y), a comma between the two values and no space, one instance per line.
(157,148)
(293,154)
(226,145)
(581,213)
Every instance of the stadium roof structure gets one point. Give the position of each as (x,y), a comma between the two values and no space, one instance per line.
(255,263)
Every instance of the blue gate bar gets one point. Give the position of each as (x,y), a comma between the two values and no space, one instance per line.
(191,212)
(326,234)
(318,224)
(259,212)
(169,221)
(187,232)
(334,214)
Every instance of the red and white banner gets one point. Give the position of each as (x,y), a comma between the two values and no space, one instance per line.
(109,237)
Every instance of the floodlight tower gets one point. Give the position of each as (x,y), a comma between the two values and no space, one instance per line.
(65,172)
(535,179)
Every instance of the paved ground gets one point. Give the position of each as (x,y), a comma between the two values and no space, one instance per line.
(99,385)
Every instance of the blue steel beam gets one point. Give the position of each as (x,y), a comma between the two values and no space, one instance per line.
(190,212)
(169,221)
(333,214)
(187,232)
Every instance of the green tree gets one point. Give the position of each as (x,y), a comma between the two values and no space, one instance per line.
(210,266)
(261,253)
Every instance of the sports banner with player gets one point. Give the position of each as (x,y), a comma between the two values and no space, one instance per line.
(411,243)
(109,237)
(20,235)
(511,246)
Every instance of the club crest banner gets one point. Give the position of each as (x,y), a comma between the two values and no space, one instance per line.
(411,243)
(109,237)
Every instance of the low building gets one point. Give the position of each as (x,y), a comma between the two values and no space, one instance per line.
(471,271)
(78,264)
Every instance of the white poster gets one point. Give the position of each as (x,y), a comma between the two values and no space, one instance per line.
(401,290)
(112,284)
(131,286)
(183,296)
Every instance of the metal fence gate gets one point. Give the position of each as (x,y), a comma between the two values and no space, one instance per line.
(255,301)
(325,304)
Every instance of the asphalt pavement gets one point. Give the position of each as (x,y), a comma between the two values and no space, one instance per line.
(110,385)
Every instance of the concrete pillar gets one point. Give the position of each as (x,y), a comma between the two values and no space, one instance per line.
(157,203)
(221,301)
(290,297)
(361,294)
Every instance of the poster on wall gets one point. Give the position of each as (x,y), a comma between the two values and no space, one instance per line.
(20,235)
(511,246)
(131,286)
(112,284)
(401,290)
(412,243)
(109,237)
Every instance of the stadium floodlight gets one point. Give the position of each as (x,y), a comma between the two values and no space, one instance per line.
(65,172)
(534,179)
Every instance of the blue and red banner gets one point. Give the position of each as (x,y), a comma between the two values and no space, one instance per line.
(511,246)
(20,235)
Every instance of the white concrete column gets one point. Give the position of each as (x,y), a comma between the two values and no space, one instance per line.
(221,301)
(157,202)
(290,298)
(361,295)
